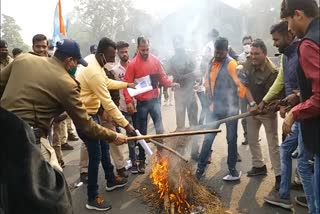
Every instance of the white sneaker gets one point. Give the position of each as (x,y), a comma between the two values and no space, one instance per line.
(230,177)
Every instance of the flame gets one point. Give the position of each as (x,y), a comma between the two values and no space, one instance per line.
(160,178)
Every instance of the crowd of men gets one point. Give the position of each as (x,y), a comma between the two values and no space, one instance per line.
(49,90)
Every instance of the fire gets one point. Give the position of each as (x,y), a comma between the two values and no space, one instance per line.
(175,194)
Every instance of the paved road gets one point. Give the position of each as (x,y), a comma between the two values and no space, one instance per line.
(244,197)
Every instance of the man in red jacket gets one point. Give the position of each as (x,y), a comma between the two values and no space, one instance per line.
(145,66)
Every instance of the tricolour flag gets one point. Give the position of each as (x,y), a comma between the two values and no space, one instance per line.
(60,25)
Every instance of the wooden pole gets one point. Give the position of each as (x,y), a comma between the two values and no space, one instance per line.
(169,149)
(175,134)
(214,124)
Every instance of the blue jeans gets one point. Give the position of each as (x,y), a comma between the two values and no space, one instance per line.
(288,146)
(144,108)
(132,119)
(232,136)
(305,173)
(317,183)
(98,151)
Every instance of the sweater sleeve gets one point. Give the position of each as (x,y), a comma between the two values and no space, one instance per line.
(277,86)
(232,68)
(100,89)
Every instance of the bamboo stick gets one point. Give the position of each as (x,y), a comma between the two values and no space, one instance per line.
(175,134)
(169,149)
(214,124)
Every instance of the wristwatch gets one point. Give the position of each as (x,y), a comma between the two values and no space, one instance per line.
(253,103)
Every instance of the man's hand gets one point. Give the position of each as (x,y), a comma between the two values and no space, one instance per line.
(261,106)
(283,111)
(130,130)
(131,85)
(287,123)
(292,99)
(61,117)
(254,110)
(121,139)
(130,108)
(273,106)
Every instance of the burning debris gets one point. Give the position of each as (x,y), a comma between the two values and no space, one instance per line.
(172,188)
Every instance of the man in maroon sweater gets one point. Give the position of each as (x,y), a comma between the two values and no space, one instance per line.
(302,19)
(145,66)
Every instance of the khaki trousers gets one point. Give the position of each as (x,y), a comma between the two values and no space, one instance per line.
(60,136)
(115,151)
(69,124)
(84,159)
(48,154)
(270,123)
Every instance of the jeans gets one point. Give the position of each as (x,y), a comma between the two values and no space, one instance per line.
(131,144)
(204,106)
(317,183)
(305,172)
(98,151)
(232,136)
(288,146)
(144,108)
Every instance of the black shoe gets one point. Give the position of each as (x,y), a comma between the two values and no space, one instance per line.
(301,200)
(66,146)
(62,164)
(123,172)
(98,204)
(118,182)
(134,168)
(245,142)
(84,177)
(255,171)
(141,167)
(278,181)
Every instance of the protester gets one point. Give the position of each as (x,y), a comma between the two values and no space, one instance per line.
(16,52)
(221,80)
(182,67)
(5,59)
(286,80)
(259,76)
(115,151)
(302,19)
(120,71)
(146,67)
(95,87)
(93,49)
(40,45)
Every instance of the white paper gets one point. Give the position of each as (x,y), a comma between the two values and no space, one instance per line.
(143,85)
(137,91)
(144,145)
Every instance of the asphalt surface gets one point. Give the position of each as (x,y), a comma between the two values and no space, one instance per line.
(245,196)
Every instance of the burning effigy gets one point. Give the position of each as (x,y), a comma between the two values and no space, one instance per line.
(171,187)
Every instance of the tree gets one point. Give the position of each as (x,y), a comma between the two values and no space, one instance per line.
(10,32)
(115,19)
